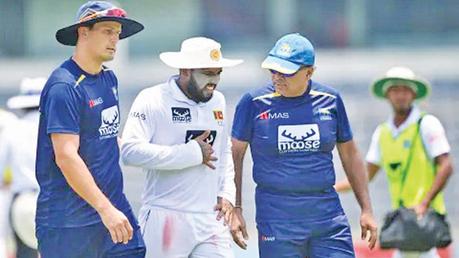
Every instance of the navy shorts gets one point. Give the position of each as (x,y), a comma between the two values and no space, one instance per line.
(93,241)
(328,238)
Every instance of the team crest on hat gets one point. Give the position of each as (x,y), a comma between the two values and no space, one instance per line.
(284,50)
(215,54)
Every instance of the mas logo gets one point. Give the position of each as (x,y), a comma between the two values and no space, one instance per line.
(95,102)
(110,122)
(267,238)
(298,138)
(266,115)
(181,115)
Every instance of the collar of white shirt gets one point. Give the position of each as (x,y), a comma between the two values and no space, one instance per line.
(412,118)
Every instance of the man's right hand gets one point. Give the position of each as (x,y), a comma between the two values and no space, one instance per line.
(117,224)
(206,150)
(238,228)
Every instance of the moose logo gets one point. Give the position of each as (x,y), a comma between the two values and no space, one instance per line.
(191,134)
(181,115)
(110,122)
(298,138)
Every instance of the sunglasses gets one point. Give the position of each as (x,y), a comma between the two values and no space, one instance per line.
(114,12)
(287,75)
(273,72)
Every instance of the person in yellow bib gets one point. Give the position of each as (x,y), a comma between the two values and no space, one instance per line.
(409,136)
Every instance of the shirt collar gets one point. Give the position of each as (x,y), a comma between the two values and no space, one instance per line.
(412,118)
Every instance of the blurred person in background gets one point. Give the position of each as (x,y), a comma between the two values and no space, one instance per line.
(6,118)
(18,151)
(177,132)
(292,125)
(408,128)
(82,210)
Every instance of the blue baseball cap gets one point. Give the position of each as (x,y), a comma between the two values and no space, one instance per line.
(291,52)
(98,11)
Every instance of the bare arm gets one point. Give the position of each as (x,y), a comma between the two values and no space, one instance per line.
(344,185)
(444,171)
(238,226)
(227,188)
(82,182)
(238,149)
(355,171)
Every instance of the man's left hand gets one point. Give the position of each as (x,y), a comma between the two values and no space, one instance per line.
(368,223)
(420,210)
(225,209)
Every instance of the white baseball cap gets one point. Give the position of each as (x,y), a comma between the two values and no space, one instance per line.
(29,94)
(198,52)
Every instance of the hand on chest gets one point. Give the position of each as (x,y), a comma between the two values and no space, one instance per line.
(183,123)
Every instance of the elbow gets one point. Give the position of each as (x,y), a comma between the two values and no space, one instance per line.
(449,169)
(126,156)
(63,160)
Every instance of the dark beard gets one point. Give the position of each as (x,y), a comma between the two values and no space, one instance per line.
(195,94)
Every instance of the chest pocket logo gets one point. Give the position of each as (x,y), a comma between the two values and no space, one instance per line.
(110,122)
(191,134)
(298,138)
(181,115)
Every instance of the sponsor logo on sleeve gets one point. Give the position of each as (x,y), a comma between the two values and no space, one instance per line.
(325,114)
(191,134)
(115,92)
(218,116)
(181,115)
(138,115)
(110,122)
(298,138)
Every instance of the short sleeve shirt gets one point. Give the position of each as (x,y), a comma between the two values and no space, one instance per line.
(75,102)
(291,141)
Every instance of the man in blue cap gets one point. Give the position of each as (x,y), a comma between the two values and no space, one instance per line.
(81,209)
(292,126)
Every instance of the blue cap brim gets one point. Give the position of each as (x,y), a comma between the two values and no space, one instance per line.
(280,65)
(68,35)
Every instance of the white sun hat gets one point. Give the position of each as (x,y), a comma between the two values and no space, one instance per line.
(29,94)
(23,217)
(400,75)
(198,52)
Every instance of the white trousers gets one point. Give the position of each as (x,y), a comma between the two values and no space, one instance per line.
(174,234)
(5,199)
(432,253)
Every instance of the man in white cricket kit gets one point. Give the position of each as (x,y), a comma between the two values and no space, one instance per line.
(177,132)
(17,151)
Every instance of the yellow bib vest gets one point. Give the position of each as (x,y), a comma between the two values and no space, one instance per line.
(420,176)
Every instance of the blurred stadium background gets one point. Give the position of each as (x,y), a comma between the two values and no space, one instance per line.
(356,41)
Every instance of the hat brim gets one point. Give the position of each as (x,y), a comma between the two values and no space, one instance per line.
(422,88)
(21,101)
(280,65)
(182,61)
(68,36)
